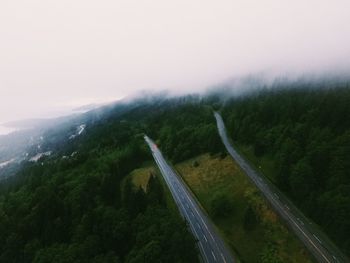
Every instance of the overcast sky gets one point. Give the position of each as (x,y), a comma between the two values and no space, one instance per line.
(55,55)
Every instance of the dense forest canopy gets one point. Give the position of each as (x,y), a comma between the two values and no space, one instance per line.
(83,208)
(305,132)
(78,204)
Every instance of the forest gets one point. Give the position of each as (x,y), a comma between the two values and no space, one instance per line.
(305,133)
(78,205)
(185,132)
(83,208)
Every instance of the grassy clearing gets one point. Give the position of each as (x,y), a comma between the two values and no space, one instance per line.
(265,240)
(140,177)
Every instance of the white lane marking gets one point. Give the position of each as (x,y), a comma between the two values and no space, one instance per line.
(302,231)
(224,135)
(206,240)
(176,197)
(194,231)
(202,221)
(212,252)
(203,252)
(195,208)
(321,253)
(223,258)
(317,238)
(165,169)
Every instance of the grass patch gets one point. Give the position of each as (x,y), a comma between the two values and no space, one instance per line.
(264,239)
(140,177)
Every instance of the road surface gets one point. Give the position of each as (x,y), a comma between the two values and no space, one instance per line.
(210,244)
(322,249)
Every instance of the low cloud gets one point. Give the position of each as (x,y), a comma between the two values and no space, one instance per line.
(60,52)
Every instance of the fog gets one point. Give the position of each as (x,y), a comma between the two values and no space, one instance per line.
(58,55)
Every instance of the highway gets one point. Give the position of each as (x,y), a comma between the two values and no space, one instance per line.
(212,248)
(313,239)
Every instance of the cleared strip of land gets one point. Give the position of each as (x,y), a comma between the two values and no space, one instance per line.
(322,250)
(240,212)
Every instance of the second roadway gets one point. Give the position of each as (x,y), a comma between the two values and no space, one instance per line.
(323,250)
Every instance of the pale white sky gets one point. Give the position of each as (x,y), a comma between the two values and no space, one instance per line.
(55,55)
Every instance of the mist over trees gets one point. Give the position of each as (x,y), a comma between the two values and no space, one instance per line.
(82,207)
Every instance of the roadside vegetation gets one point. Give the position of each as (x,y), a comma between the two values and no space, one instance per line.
(95,199)
(300,137)
(80,205)
(141,176)
(186,131)
(252,230)
(84,207)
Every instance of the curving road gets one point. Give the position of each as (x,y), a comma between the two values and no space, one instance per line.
(211,246)
(312,238)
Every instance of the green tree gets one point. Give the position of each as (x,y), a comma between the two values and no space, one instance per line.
(221,206)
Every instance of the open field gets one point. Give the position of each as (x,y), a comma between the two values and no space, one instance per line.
(250,227)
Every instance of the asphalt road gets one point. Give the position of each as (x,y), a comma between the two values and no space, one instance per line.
(312,238)
(210,244)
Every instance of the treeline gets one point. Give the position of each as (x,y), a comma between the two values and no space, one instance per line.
(82,208)
(306,133)
(186,131)
(184,126)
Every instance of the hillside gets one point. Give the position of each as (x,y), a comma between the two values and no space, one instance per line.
(67,195)
(77,205)
(300,136)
